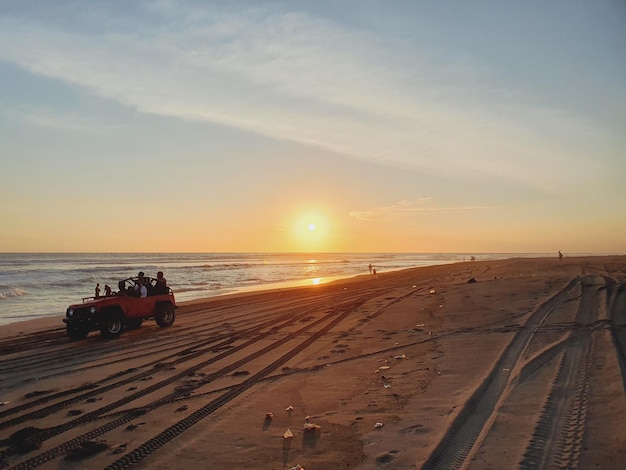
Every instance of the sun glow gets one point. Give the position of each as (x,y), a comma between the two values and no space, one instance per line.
(311,232)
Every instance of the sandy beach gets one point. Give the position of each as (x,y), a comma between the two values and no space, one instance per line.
(516,363)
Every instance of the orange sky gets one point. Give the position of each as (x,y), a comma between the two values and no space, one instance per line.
(427,127)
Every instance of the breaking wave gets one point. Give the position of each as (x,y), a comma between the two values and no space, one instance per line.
(7,292)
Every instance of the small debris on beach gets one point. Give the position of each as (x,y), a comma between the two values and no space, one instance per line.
(182,408)
(308,426)
(269,415)
(120,449)
(288,434)
(432,291)
(131,427)
(378,425)
(289,408)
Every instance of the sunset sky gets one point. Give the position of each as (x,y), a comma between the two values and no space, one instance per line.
(361,125)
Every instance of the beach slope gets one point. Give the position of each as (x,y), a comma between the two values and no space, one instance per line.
(516,363)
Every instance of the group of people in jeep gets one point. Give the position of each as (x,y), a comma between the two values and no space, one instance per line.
(143,286)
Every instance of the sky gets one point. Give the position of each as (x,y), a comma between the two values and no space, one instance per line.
(307,126)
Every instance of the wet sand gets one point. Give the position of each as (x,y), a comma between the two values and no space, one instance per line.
(523,368)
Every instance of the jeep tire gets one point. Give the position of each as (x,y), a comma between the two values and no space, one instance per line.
(76,331)
(165,315)
(112,326)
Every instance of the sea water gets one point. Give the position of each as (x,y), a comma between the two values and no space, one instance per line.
(34,285)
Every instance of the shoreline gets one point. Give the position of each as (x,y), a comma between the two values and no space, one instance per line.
(288,285)
(44,287)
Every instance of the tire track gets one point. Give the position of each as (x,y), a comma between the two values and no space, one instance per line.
(192,419)
(234,339)
(456,445)
(557,439)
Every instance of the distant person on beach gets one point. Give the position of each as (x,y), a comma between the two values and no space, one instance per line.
(560,255)
(370,266)
(107,290)
(374,271)
(97,290)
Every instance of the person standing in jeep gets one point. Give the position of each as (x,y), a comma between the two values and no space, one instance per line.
(140,286)
(161,284)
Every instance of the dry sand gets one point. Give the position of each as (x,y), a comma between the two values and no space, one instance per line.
(523,368)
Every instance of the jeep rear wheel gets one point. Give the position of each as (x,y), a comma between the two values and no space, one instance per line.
(165,315)
(76,332)
(112,326)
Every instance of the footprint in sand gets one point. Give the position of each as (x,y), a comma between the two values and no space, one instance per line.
(386,457)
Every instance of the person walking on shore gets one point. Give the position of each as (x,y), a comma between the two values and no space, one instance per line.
(560,255)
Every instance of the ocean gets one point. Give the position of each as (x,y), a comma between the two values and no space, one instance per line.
(36,285)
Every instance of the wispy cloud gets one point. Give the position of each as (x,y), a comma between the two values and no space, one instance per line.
(53,119)
(408,208)
(291,75)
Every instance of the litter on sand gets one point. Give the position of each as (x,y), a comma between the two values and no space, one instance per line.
(308,426)
(378,425)
(288,434)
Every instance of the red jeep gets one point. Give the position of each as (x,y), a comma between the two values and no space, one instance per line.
(111,314)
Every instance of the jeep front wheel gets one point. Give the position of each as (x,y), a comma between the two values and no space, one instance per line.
(165,315)
(77,332)
(112,326)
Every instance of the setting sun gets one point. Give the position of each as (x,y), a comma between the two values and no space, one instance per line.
(311,230)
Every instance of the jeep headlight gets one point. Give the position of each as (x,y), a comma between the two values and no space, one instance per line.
(92,310)
(70,313)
